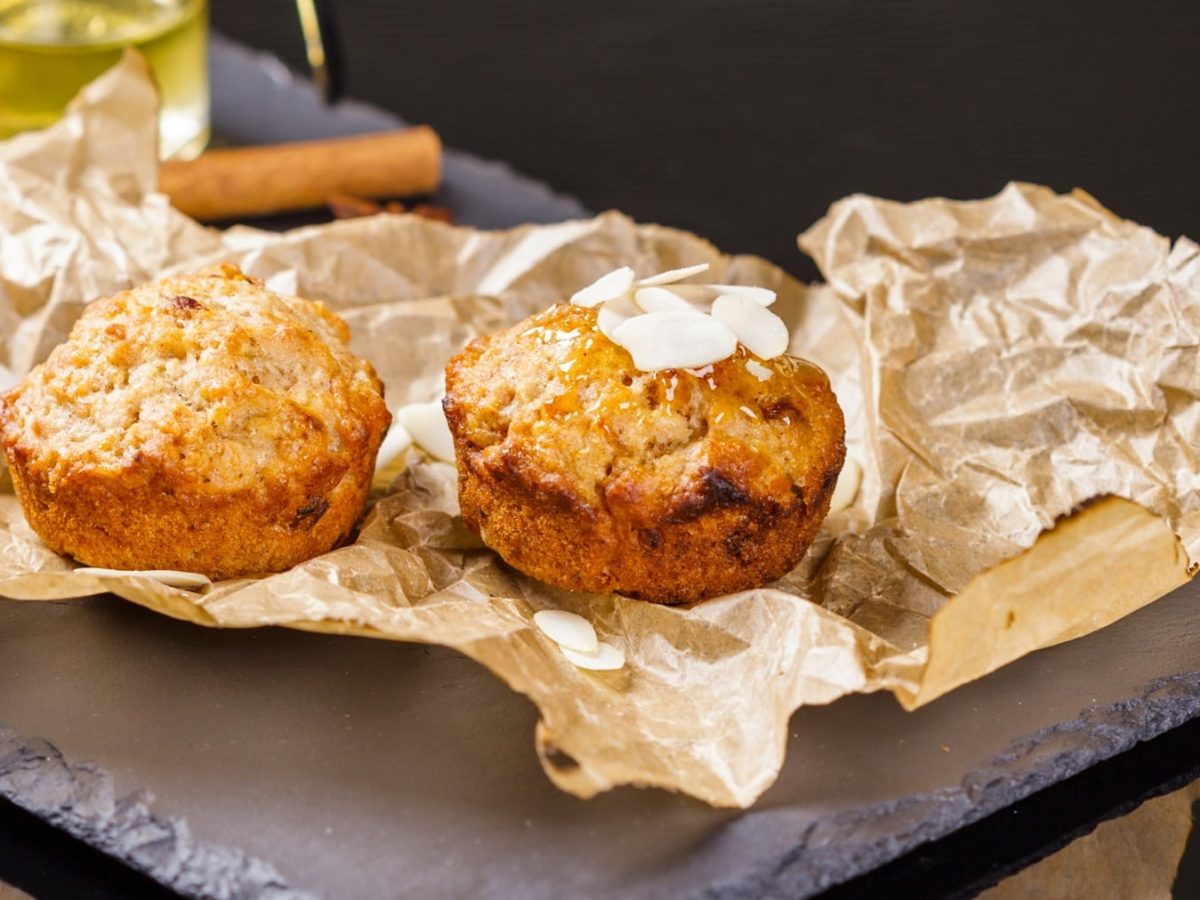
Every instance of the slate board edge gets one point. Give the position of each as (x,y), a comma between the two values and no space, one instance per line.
(79,798)
(834,850)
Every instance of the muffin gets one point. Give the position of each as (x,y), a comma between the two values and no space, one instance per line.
(200,423)
(671,486)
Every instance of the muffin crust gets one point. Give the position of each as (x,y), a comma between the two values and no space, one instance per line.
(200,423)
(670,486)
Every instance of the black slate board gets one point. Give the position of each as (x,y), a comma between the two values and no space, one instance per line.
(270,763)
(354,768)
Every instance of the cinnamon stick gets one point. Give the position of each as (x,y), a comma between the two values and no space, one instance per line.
(348,206)
(253,181)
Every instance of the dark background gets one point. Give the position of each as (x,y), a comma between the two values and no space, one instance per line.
(744,120)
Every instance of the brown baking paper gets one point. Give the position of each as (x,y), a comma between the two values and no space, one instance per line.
(1001,364)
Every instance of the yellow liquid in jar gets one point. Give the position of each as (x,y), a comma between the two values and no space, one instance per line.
(49,49)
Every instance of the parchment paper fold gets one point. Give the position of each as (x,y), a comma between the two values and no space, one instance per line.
(1003,364)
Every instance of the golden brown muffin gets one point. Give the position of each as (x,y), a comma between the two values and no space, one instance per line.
(670,486)
(201,423)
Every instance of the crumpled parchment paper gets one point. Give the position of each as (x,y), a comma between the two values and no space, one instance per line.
(1001,363)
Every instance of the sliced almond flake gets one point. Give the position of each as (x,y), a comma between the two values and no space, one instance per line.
(169,577)
(613,313)
(757,328)
(673,275)
(606,287)
(697,293)
(605,658)
(426,422)
(567,629)
(658,299)
(760,295)
(707,293)
(670,340)
(847,485)
(396,442)
(758,370)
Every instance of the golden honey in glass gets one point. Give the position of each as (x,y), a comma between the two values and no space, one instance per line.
(49,49)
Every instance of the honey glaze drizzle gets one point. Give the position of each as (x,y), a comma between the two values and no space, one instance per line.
(665,324)
(730,388)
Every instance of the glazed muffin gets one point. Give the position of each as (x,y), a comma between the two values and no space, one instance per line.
(200,423)
(670,486)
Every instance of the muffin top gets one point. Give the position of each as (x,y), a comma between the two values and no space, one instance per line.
(555,406)
(209,379)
